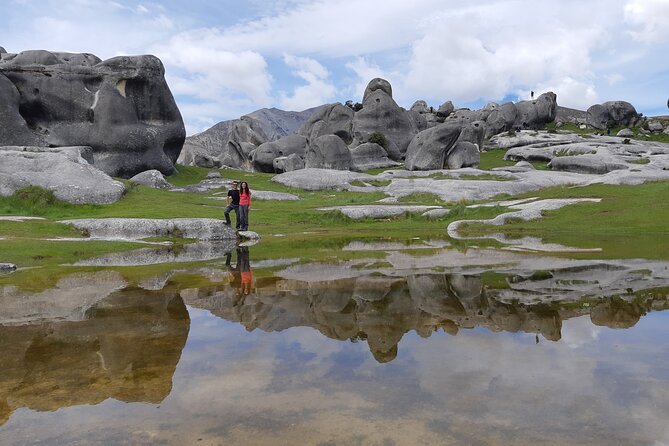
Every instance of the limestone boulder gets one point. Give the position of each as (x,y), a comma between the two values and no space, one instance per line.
(446,109)
(328,152)
(332,119)
(421,107)
(593,164)
(611,114)
(266,153)
(428,149)
(63,171)
(537,113)
(288,163)
(370,156)
(380,113)
(121,107)
(501,119)
(474,133)
(151,178)
(463,154)
(655,126)
(625,133)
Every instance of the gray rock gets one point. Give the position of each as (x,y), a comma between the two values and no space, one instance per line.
(270,124)
(446,109)
(62,170)
(593,164)
(288,163)
(320,179)
(7,268)
(151,178)
(611,114)
(625,133)
(249,235)
(474,133)
(666,130)
(121,107)
(380,113)
(370,156)
(419,121)
(379,211)
(270,195)
(331,119)
(141,228)
(214,175)
(463,154)
(520,166)
(655,126)
(266,153)
(421,107)
(501,119)
(428,148)
(570,115)
(377,84)
(537,113)
(436,213)
(328,152)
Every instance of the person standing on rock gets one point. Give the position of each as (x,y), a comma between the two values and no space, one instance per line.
(232,201)
(244,206)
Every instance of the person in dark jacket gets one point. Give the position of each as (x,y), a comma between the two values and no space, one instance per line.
(232,201)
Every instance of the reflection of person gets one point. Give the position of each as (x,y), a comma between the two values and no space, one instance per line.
(242,275)
(244,206)
(245,272)
(233,204)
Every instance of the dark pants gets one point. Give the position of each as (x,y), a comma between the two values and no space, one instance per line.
(226,212)
(243,221)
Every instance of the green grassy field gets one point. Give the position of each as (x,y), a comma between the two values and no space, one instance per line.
(629,222)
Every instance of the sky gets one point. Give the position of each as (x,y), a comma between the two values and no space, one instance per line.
(226,58)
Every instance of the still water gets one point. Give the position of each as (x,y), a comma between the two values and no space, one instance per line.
(437,347)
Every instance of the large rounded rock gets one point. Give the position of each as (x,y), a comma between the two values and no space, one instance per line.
(420,106)
(121,107)
(463,154)
(328,152)
(151,178)
(474,133)
(537,113)
(428,149)
(370,156)
(377,84)
(13,128)
(62,170)
(288,163)
(501,119)
(266,153)
(380,113)
(446,109)
(333,119)
(611,114)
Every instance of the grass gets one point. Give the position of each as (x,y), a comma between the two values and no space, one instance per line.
(621,225)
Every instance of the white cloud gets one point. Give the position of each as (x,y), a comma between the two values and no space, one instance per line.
(318,89)
(651,17)
(365,71)
(615,78)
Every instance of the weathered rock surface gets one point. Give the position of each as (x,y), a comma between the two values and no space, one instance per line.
(141,228)
(270,195)
(266,153)
(370,156)
(380,113)
(121,107)
(320,179)
(537,113)
(380,211)
(210,148)
(330,119)
(428,149)
(463,154)
(151,178)
(288,163)
(625,133)
(596,164)
(328,152)
(64,171)
(7,268)
(612,114)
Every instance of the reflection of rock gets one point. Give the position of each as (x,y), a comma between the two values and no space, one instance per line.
(616,313)
(126,346)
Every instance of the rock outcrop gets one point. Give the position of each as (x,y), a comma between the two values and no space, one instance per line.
(612,114)
(370,156)
(331,119)
(450,145)
(121,107)
(380,113)
(328,152)
(266,153)
(141,228)
(64,170)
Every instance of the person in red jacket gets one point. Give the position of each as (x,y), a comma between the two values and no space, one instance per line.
(244,206)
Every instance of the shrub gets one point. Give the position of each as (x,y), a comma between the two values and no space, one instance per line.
(378,138)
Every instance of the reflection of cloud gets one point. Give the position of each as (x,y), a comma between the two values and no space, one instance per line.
(579,332)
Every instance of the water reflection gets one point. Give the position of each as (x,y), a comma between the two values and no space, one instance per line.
(85,342)
(381,310)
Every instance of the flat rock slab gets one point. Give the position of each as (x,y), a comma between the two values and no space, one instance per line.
(269,195)
(18,218)
(249,235)
(380,211)
(141,228)
(320,179)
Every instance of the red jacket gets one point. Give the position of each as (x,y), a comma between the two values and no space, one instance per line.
(245,199)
